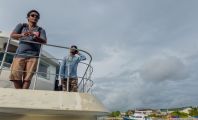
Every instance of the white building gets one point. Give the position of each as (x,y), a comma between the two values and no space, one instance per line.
(186,110)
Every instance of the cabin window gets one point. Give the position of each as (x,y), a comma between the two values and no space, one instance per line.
(11,48)
(9,57)
(44,70)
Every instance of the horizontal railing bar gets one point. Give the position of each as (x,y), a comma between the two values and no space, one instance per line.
(47,44)
(41,57)
(39,73)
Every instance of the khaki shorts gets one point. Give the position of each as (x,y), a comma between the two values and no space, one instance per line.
(73,84)
(23,68)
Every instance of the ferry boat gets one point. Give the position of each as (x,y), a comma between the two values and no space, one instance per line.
(42,101)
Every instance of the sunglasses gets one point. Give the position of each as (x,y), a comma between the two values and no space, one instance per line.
(34,15)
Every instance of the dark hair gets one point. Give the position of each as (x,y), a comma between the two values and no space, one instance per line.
(74,46)
(28,14)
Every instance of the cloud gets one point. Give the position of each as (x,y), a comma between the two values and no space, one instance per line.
(112,62)
(169,68)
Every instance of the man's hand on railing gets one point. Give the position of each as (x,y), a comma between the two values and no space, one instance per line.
(17,36)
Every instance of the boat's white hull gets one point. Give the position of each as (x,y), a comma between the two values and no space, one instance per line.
(6,116)
(38,104)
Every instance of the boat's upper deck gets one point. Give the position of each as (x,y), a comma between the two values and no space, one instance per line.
(41,104)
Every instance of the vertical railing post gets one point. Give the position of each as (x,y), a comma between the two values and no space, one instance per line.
(89,78)
(37,68)
(4,55)
(83,85)
(59,75)
(68,76)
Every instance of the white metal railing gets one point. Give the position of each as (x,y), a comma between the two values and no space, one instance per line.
(85,83)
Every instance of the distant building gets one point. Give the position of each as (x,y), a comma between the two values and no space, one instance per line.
(145,111)
(186,110)
(123,113)
(170,110)
(164,111)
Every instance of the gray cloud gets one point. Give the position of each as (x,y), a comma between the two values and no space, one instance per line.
(170,68)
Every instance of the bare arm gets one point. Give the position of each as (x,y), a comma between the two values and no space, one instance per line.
(41,38)
(17,36)
(17,32)
(81,57)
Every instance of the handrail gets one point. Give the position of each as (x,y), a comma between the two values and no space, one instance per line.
(67,48)
(39,57)
(36,56)
(87,79)
(41,73)
(4,55)
(82,80)
(43,58)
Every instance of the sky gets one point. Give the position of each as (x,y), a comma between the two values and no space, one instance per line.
(145,52)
